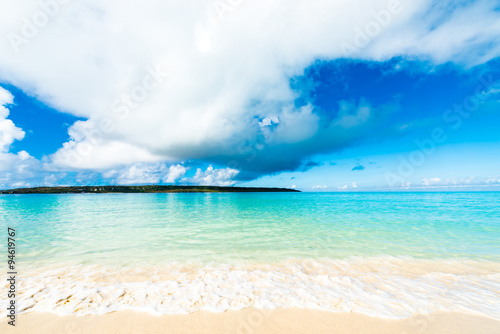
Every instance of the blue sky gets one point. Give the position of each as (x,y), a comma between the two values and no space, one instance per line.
(46,128)
(416,107)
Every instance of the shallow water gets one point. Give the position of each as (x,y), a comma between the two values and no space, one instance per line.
(382,254)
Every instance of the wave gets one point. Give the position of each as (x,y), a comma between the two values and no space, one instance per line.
(386,287)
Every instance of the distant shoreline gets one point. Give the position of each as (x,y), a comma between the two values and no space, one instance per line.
(140,189)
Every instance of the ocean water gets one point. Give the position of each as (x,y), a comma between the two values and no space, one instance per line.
(388,255)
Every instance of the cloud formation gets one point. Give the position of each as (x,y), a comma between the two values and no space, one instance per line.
(162,82)
(141,173)
(348,187)
(8,131)
(14,168)
(436,183)
(217,177)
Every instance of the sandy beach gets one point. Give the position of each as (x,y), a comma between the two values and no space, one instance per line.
(249,321)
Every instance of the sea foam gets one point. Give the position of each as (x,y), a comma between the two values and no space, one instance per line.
(386,287)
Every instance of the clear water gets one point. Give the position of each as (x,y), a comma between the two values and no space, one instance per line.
(383,254)
(124,228)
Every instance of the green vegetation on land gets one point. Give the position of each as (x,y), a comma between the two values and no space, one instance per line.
(140,189)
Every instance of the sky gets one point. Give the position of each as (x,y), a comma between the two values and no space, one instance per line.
(320,95)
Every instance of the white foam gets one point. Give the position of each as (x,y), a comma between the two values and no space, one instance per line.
(383,287)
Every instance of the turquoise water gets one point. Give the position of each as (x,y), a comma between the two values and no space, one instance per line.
(390,255)
(123,228)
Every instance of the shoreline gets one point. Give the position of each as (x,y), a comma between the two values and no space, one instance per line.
(283,320)
(388,288)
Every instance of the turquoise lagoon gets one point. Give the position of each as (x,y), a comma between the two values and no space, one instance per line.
(391,255)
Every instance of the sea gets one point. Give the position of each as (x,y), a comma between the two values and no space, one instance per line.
(388,255)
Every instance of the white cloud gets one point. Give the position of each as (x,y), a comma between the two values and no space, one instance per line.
(175,172)
(88,149)
(5,97)
(431,181)
(142,173)
(51,180)
(22,170)
(436,181)
(215,177)
(347,186)
(451,183)
(15,169)
(8,131)
(493,180)
(319,187)
(108,61)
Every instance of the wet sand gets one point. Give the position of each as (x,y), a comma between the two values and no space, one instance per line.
(285,320)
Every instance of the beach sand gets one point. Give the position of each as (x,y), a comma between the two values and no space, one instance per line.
(249,321)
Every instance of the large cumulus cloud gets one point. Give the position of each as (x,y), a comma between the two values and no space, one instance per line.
(169,81)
